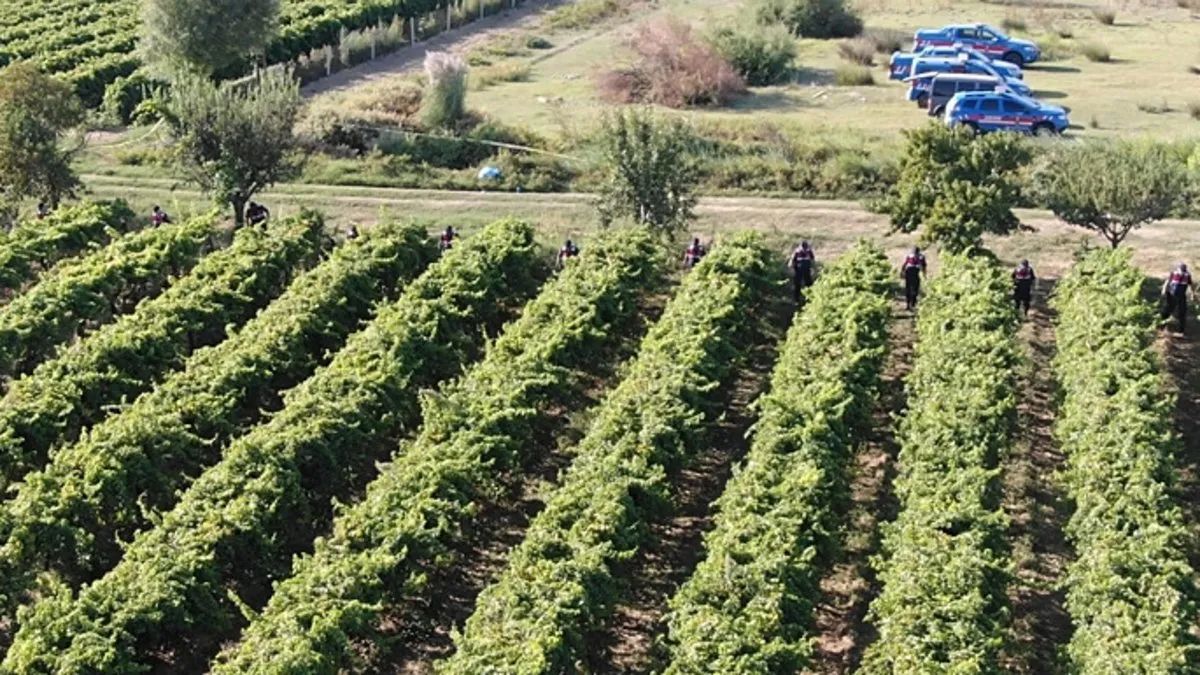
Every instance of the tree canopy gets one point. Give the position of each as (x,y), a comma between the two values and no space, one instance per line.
(649,175)
(234,140)
(36,111)
(204,38)
(955,187)
(1112,188)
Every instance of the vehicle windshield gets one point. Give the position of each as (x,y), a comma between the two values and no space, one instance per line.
(994,31)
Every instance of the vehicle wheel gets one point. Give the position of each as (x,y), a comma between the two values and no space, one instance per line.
(973,128)
(1015,59)
(1044,130)
(922,101)
(938,111)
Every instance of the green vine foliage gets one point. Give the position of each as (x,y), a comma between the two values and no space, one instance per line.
(383,547)
(78,295)
(34,246)
(748,606)
(77,389)
(944,566)
(244,517)
(1130,592)
(561,578)
(73,516)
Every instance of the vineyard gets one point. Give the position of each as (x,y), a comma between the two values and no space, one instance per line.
(92,43)
(274,452)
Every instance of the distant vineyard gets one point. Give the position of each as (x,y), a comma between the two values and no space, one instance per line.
(91,42)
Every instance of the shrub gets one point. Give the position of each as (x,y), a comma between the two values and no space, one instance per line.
(1154,108)
(1195,70)
(762,57)
(858,50)
(1064,31)
(648,173)
(538,42)
(1055,49)
(887,40)
(445,99)
(584,13)
(853,76)
(1105,16)
(123,95)
(1096,52)
(673,69)
(504,72)
(820,19)
(1013,23)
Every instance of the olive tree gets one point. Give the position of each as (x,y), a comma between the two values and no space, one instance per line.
(1112,188)
(36,113)
(204,38)
(649,175)
(234,140)
(955,187)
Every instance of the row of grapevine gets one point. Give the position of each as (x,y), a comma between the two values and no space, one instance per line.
(243,518)
(944,565)
(382,548)
(34,246)
(95,289)
(1131,591)
(65,395)
(92,43)
(748,606)
(560,579)
(72,516)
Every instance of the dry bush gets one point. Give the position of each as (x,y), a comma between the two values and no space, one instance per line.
(1194,110)
(1105,15)
(853,76)
(887,40)
(858,50)
(445,99)
(482,78)
(1096,52)
(1014,23)
(673,68)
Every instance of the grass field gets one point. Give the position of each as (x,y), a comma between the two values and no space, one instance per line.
(1153,47)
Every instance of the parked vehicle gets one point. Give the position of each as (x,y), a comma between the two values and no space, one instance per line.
(982,37)
(901,63)
(944,86)
(924,69)
(1005,111)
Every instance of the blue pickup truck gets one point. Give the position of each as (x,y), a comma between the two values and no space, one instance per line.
(901,64)
(983,38)
(984,111)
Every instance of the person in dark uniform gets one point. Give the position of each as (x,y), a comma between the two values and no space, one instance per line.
(912,269)
(159,217)
(695,253)
(803,259)
(257,214)
(1023,280)
(569,250)
(352,233)
(1175,296)
(447,240)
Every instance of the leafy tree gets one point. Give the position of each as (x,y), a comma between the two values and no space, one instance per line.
(1112,188)
(234,140)
(36,112)
(820,19)
(649,175)
(204,38)
(956,187)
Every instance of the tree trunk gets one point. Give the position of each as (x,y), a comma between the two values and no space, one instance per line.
(239,212)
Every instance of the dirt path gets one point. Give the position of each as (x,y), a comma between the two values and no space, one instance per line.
(626,642)
(1035,505)
(1182,358)
(841,629)
(458,41)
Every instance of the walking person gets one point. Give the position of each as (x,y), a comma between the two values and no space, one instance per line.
(1175,293)
(694,253)
(1023,281)
(912,269)
(803,259)
(569,250)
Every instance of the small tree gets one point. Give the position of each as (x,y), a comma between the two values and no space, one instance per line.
(445,99)
(1112,188)
(820,19)
(648,174)
(204,38)
(762,55)
(955,187)
(36,112)
(235,140)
